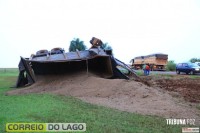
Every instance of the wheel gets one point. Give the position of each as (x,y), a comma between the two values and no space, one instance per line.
(192,72)
(177,71)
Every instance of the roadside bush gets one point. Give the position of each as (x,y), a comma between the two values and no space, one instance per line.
(193,60)
(171,66)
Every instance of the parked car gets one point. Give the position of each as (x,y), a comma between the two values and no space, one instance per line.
(198,63)
(187,68)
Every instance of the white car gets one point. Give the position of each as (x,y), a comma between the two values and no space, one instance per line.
(198,63)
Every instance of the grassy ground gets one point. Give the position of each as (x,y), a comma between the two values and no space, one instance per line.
(46,108)
(8,72)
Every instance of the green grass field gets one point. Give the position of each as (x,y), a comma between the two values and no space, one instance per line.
(47,108)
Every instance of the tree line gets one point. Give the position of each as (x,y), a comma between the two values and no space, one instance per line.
(193,60)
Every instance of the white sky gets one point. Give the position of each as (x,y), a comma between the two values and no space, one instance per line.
(132,27)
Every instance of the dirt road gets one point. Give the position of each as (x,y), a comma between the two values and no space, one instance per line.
(165,73)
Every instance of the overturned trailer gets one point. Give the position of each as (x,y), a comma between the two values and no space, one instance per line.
(57,61)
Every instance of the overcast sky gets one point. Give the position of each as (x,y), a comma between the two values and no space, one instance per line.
(132,27)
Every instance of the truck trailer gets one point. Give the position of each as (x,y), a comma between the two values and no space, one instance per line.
(157,62)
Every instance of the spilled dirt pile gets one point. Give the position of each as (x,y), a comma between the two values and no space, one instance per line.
(125,95)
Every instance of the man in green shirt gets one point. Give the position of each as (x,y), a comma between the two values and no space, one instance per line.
(144,69)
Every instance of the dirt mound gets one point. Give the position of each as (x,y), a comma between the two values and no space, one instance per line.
(126,95)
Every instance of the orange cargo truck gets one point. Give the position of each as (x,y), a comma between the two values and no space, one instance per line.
(157,62)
